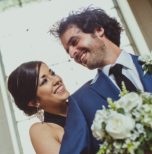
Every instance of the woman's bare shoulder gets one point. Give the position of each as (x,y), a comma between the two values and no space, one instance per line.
(42,128)
(44,138)
(38,130)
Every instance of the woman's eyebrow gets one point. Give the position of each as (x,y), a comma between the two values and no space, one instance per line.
(43,76)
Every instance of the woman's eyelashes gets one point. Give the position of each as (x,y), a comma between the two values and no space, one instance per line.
(44,81)
(47,78)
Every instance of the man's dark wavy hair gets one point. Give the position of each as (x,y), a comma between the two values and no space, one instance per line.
(88,20)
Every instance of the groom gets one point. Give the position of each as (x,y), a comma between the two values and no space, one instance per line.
(92,39)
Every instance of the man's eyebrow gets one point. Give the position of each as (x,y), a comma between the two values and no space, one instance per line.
(70,40)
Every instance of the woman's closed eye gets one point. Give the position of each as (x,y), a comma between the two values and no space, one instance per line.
(44,81)
(47,77)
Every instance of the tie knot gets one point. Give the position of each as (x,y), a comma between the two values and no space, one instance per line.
(116,69)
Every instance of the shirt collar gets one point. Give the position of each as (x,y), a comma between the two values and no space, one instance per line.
(123,59)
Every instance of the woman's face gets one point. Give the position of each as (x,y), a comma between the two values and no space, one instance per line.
(51,91)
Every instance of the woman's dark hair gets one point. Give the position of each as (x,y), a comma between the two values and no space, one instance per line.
(23,83)
(88,20)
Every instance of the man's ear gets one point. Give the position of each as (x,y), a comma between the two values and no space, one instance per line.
(99,32)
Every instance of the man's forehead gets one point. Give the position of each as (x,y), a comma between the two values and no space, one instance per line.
(72,31)
(73,28)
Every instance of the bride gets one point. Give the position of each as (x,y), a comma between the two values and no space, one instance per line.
(36,88)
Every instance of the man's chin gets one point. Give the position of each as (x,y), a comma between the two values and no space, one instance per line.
(89,67)
(85,65)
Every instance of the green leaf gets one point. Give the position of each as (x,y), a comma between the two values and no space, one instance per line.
(139,151)
(102,150)
(121,110)
(124,90)
(149,135)
(103,125)
(111,103)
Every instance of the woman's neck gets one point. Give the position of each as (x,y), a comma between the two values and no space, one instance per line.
(61,109)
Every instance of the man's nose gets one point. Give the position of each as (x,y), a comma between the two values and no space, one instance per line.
(73,51)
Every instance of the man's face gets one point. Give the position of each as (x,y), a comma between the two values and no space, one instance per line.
(85,48)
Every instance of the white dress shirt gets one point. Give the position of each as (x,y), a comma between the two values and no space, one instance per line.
(129,70)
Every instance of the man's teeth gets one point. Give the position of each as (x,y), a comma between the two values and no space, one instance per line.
(82,55)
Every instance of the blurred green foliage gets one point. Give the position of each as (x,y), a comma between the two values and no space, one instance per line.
(6,4)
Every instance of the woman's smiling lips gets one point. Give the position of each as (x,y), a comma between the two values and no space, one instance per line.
(60,89)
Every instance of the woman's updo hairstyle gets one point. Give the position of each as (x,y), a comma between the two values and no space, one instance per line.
(23,83)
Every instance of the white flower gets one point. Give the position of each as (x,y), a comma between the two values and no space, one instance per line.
(146,58)
(129,101)
(119,126)
(147,62)
(140,128)
(137,114)
(134,135)
(146,114)
(146,108)
(126,126)
(97,130)
(131,146)
(146,95)
(117,145)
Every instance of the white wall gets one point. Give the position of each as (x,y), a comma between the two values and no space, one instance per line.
(8,130)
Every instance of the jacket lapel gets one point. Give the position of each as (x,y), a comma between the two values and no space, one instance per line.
(104,87)
(146,79)
(76,136)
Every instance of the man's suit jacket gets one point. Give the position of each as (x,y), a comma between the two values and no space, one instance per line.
(82,107)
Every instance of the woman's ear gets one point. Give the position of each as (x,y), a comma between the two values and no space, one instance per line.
(33,104)
(99,32)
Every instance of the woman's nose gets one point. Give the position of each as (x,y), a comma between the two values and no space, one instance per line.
(56,80)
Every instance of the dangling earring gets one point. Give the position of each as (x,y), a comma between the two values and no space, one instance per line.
(40,113)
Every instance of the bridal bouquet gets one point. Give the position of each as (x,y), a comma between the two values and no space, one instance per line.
(125,127)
